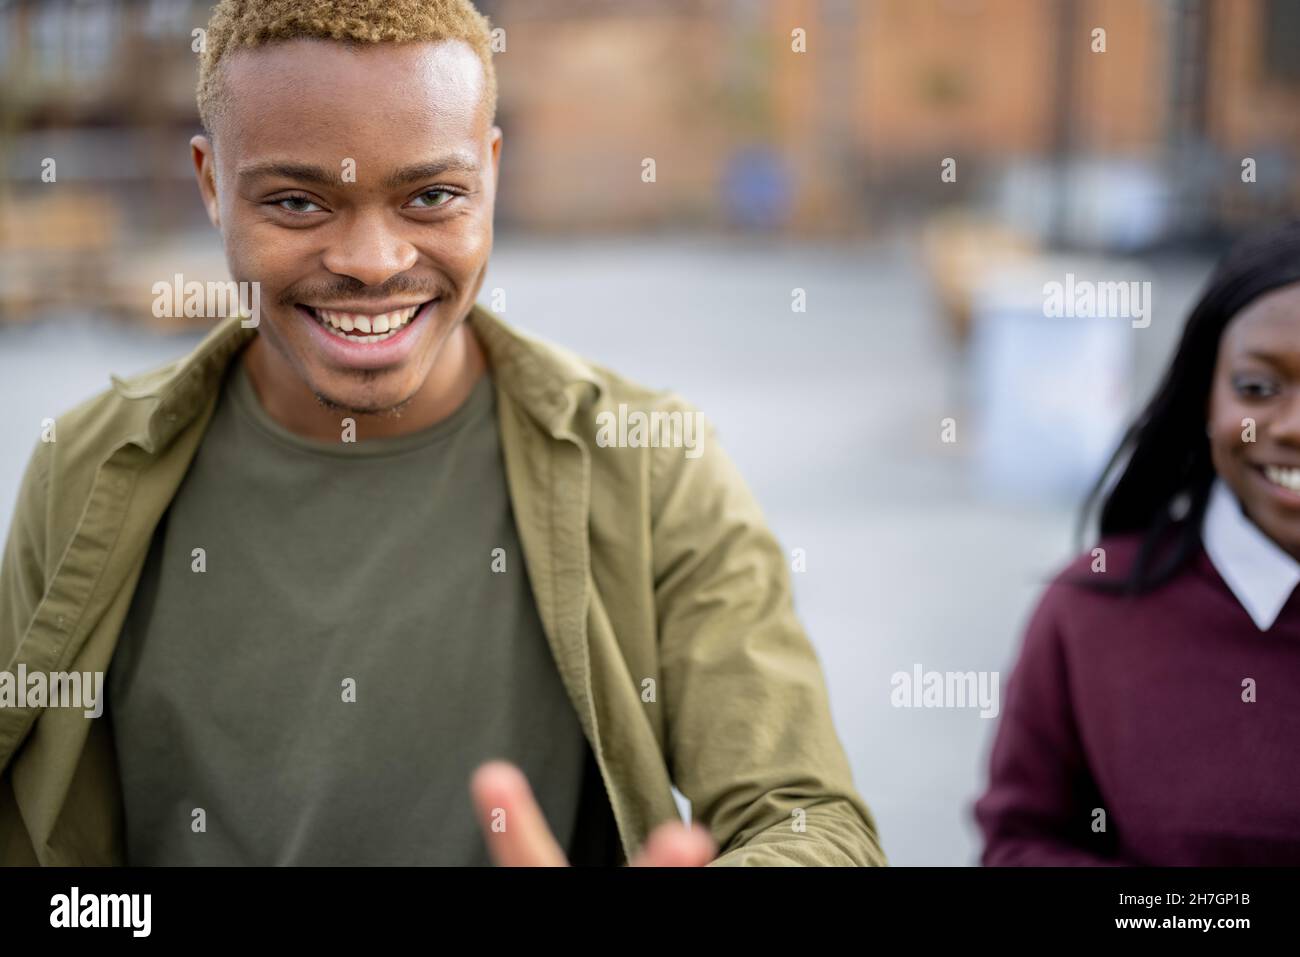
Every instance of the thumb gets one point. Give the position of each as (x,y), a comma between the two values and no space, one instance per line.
(676,845)
(514,827)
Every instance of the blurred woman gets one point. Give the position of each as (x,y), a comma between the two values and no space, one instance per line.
(1153,717)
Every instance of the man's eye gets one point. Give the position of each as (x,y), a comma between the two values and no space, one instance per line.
(297,204)
(432,204)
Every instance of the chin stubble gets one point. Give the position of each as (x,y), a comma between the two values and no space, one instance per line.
(386,412)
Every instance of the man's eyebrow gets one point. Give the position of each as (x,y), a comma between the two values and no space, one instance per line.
(303,172)
(453,163)
(306,173)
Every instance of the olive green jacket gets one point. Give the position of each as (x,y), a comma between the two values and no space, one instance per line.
(664,597)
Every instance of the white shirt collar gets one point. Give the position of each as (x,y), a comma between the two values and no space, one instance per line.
(1260,573)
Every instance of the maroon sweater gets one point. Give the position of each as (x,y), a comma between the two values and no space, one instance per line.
(1134,706)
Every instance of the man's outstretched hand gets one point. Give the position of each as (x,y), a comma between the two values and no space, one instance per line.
(501,793)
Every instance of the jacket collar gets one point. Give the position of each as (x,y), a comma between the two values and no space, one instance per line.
(548,381)
(1253,566)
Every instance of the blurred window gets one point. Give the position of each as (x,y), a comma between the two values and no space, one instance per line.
(1281,27)
(89,28)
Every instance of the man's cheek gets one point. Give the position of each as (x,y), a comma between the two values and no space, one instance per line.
(242,265)
(464,250)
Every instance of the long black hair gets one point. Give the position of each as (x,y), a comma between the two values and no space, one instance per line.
(1163,461)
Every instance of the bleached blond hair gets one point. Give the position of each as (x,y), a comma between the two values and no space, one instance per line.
(242,24)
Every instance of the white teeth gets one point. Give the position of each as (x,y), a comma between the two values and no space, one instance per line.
(1287,478)
(373,328)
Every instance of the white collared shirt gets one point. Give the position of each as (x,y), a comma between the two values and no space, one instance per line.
(1260,573)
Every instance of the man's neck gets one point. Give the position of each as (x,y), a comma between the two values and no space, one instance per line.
(461,362)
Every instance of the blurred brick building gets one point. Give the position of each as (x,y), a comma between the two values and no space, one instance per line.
(887,88)
(746,133)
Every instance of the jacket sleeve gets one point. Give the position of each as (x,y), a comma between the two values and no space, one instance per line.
(750,738)
(1038,808)
(22,585)
(22,568)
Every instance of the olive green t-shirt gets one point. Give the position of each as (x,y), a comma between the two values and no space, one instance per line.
(327,639)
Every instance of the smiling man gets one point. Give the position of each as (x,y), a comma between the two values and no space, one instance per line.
(367,588)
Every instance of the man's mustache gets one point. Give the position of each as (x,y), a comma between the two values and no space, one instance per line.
(353,290)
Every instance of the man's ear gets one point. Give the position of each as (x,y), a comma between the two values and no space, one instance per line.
(205,170)
(497,136)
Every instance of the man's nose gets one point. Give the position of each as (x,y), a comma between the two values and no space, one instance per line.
(371,251)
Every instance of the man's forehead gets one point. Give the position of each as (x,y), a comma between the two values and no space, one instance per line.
(328,88)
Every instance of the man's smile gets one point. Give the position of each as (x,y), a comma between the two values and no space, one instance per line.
(365,324)
(366,336)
